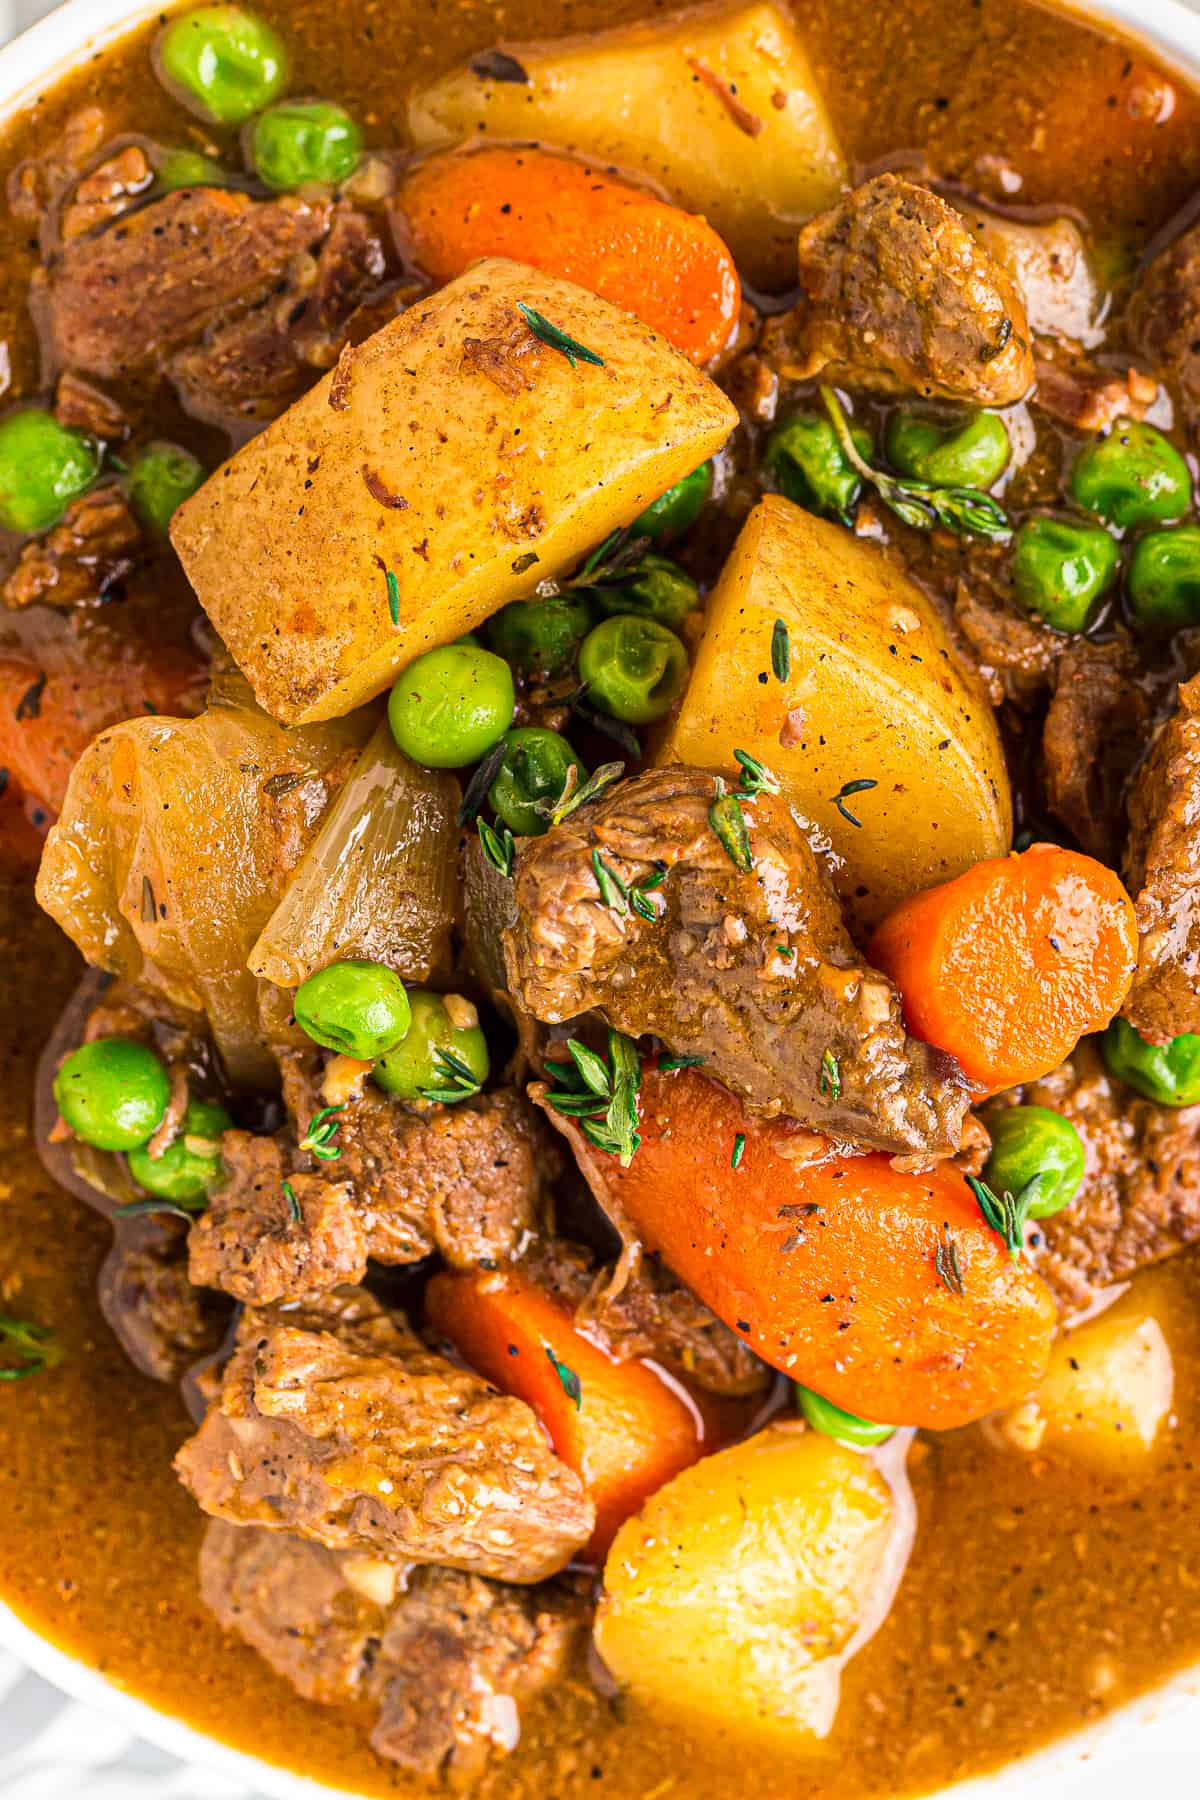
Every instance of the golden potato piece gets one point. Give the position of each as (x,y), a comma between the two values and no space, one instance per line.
(732,1597)
(722,112)
(873,695)
(455,450)
(1104,1396)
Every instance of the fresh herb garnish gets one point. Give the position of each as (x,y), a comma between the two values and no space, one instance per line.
(638,896)
(554,339)
(320,1133)
(844,792)
(573,796)
(727,819)
(613,890)
(475,792)
(667,1063)
(739,1150)
(35,1346)
(393,595)
(1006,1213)
(498,846)
(756,777)
(966,511)
(615,559)
(572,1387)
(295,1211)
(601,1094)
(830,1080)
(459,1081)
(945,1261)
(781,651)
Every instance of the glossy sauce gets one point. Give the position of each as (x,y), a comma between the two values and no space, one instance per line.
(1038,1596)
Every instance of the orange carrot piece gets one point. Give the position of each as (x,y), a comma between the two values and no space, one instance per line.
(49,715)
(1009,965)
(626,1434)
(885,1291)
(668,267)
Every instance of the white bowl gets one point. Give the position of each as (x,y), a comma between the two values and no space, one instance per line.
(1151,1744)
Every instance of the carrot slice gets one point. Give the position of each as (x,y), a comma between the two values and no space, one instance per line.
(49,715)
(668,267)
(619,1425)
(883,1290)
(1011,963)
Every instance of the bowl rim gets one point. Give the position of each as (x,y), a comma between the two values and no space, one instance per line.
(28,64)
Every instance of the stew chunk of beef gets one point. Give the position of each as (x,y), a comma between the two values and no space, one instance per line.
(901,295)
(162,1322)
(468,1181)
(1094,731)
(443,1661)
(754,971)
(1163,320)
(335,1422)
(1162,872)
(1140,1198)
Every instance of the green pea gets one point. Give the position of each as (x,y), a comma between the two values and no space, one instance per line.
(541,637)
(450,706)
(1134,476)
(1061,568)
(188,169)
(1164,579)
(305,140)
(162,478)
(634,668)
(832,1421)
(1168,1073)
(113,1093)
(1031,1143)
(534,769)
(357,1008)
(657,589)
(185,1172)
(677,510)
(221,62)
(43,467)
(439,1022)
(971,454)
(806,462)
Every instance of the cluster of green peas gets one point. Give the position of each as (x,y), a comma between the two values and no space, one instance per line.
(229,67)
(1063,565)
(453,706)
(1036,1143)
(114,1092)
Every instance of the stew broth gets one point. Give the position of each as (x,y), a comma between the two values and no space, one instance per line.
(1038,1596)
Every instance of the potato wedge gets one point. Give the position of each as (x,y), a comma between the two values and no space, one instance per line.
(874,694)
(453,449)
(692,104)
(1105,1394)
(733,1596)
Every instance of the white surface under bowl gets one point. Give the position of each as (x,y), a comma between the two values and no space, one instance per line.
(1151,1745)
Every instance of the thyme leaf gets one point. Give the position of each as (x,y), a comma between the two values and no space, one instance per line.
(320,1132)
(392,583)
(295,1212)
(573,797)
(830,1080)
(35,1348)
(947,1264)
(459,1081)
(781,651)
(498,846)
(966,511)
(613,890)
(572,1387)
(845,791)
(555,339)
(756,777)
(667,1063)
(1006,1213)
(739,1150)
(727,819)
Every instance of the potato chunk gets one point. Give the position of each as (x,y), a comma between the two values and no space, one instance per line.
(455,450)
(732,1596)
(873,695)
(723,112)
(1104,1396)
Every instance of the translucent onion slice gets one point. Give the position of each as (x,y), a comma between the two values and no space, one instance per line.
(378,880)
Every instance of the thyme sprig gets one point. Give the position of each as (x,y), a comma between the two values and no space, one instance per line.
(1006,1213)
(320,1132)
(459,1081)
(966,511)
(35,1348)
(556,339)
(848,788)
(756,777)
(573,796)
(947,1264)
(572,1387)
(616,559)
(601,1093)
(498,846)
